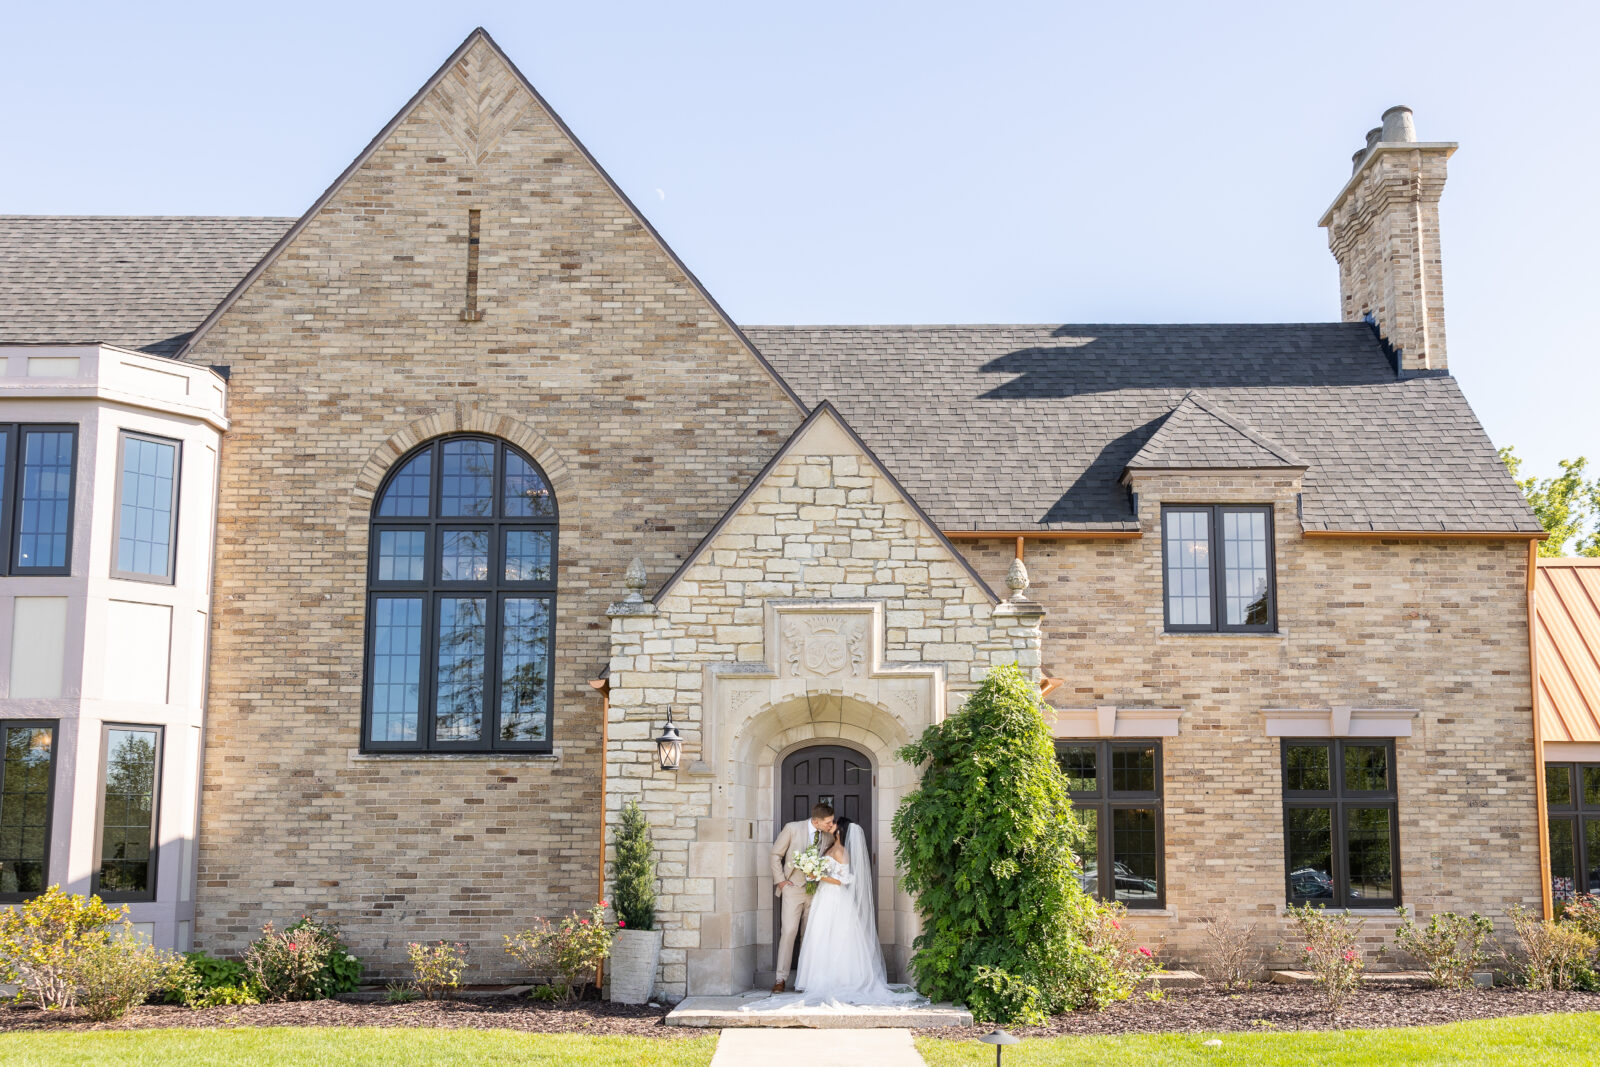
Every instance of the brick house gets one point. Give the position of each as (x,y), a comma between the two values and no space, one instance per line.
(318,593)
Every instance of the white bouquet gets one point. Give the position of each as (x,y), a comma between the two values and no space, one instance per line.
(809,862)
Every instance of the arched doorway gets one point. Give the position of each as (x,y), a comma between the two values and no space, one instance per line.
(831,774)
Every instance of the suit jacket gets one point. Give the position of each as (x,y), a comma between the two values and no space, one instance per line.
(794,837)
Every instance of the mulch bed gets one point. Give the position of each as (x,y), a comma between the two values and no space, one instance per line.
(1265,1008)
(1261,1008)
(594,1017)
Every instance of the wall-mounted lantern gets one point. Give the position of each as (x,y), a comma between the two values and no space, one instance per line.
(669,746)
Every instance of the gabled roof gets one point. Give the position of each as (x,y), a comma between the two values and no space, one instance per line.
(477,36)
(1197,435)
(139,283)
(823,412)
(1566,639)
(1030,427)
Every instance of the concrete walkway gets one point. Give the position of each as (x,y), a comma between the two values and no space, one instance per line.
(752,1047)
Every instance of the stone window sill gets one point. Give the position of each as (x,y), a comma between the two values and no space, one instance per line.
(1360,913)
(456,757)
(1213,635)
(1152,913)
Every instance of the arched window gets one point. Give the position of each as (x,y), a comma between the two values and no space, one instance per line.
(461,600)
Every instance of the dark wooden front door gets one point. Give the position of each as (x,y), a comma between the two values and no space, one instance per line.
(828,774)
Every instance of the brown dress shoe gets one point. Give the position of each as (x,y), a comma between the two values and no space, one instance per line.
(780,985)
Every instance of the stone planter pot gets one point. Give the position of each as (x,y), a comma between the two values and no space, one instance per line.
(634,955)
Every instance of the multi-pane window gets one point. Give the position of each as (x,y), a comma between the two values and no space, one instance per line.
(36,483)
(27,779)
(1572,797)
(130,779)
(1218,568)
(461,604)
(1341,823)
(147,507)
(1116,792)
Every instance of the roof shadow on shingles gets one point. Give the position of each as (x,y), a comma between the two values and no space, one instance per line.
(1096,496)
(1108,358)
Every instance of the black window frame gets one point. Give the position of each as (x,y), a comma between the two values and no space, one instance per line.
(1340,801)
(54,726)
(432,589)
(153,867)
(171,577)
(11,498)
(1576,813)
(1104,800)
(1217,567)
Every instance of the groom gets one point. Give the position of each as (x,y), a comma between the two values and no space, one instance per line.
(790,886)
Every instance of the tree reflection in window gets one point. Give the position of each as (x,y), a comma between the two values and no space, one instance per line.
(462,601)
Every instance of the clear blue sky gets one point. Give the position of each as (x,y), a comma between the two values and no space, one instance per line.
(912,162)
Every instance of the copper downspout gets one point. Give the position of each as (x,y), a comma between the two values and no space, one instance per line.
(1545,895)
(604,686)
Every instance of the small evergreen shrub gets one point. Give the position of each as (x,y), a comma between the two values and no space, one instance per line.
(987,847)
(635,887)
(41,939)
(1234,958)
(1554,953)
(115,973)
(1449,948)
(1331,944)
(437,967)
(570,952)
(288,964)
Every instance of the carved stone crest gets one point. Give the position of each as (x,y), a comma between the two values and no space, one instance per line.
(825,645)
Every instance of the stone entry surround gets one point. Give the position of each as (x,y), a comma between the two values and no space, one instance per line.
(825,608)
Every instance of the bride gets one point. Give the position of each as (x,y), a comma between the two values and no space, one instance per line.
(841,961)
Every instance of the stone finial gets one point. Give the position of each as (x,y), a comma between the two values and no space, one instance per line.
(1017,581)
(635,579)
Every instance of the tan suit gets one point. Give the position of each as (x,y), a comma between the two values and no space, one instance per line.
(793,838)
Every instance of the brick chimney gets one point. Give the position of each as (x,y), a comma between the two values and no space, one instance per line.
(1383,228)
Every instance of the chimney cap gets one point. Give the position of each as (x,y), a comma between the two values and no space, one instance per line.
(1398,125)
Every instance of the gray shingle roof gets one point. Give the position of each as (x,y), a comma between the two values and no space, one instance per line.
(989,427)
(1030,427)
(1200,436)
(142,282)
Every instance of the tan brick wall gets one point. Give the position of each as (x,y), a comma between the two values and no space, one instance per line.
(598,356)
(1435,625)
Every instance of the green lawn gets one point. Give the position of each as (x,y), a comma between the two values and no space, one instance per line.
(339,1047)
(1531,1039)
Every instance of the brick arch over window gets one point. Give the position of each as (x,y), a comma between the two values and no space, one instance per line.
(462,418)
(461,600)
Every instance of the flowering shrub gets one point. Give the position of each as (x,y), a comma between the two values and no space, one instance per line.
(341,969)
(571,952)
(1331,946)
(116,972)
(1554,952)
(1122,962)
(288,964)
(1450,947)
(436,967)
(41,939)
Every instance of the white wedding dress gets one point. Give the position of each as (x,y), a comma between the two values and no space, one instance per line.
(841,961)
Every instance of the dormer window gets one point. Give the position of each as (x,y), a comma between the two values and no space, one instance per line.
(1218,569)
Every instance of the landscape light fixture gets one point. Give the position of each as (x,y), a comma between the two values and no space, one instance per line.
(999,1039)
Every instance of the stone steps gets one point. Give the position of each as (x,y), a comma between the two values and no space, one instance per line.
(724,1013)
